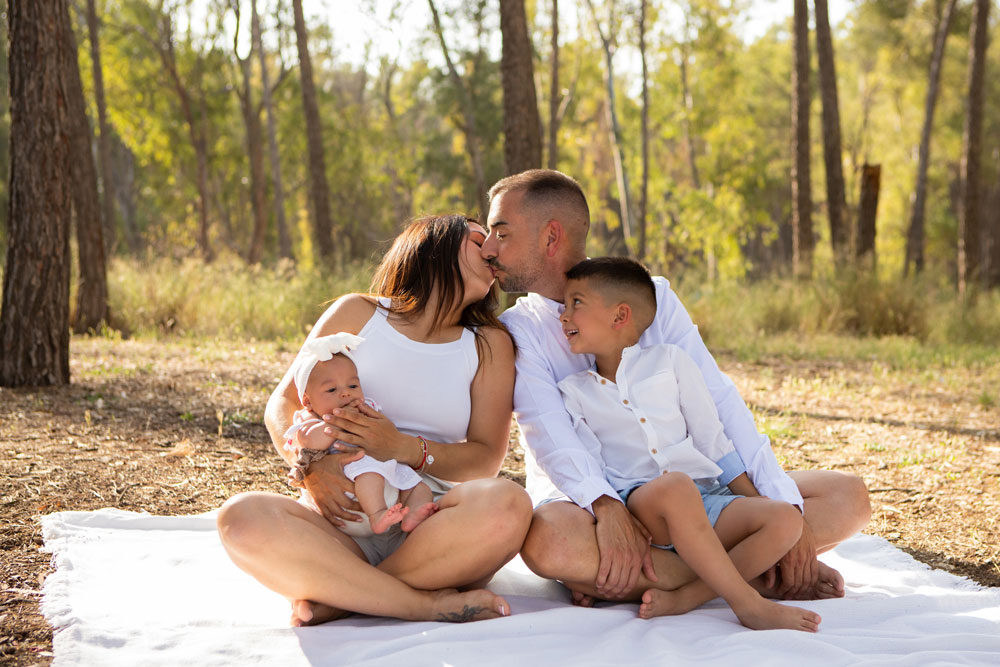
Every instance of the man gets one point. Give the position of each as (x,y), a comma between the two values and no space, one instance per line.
(581,533)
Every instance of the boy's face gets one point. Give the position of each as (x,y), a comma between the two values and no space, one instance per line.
(588,319)
(333,384)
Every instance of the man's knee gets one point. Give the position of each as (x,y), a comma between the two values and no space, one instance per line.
(855,497)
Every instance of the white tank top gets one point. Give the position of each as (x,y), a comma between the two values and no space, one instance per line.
(424,388)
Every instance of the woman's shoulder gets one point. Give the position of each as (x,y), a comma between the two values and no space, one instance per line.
(347,313)
(499,342)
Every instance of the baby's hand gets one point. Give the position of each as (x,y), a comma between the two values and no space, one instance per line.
(312,436)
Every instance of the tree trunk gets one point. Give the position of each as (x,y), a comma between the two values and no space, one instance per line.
(554,92)
(802,231)
(615,134)
(993,279)
(103,140)
(92,291)
(34,323)
(832,154)
(522,129)
(915,236)
(688,100)
(640,221)
(255,147)
(871,177)
(469,127)
(969,233)
(284,241)
(319,189)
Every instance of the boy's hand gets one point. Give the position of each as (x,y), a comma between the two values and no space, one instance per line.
(623,545)
(799,568)
(326,483)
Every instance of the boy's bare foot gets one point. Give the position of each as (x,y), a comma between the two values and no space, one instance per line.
(416,516)
(306,612)
(477,605)
(764,614)
(382,520)
(656,602)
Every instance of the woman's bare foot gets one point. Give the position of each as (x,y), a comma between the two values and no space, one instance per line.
(656,602)
(306,612)
(382,520)
(478,605)
(417,515)
(767,615)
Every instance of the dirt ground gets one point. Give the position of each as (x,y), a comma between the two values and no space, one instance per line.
(175,428)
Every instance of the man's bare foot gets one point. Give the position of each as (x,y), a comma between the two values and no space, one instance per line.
(416,516)
(382,520)
(582,599)
(478,605)
(656,602)
(306,612)
(830,583)
(764,614)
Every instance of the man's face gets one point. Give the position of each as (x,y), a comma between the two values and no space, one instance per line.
(513,247)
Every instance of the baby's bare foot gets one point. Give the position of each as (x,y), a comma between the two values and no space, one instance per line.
(476,605)
(382,520)
(767,615)
(306,612)
(416,517)
(662,603)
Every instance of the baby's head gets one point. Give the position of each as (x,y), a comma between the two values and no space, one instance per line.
(609,301)
(325,376)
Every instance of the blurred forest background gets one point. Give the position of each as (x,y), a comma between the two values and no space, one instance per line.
(251,157)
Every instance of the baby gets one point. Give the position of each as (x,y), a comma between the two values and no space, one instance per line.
(389,492)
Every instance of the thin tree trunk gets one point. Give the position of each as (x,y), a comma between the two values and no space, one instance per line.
(34,322)
(615,135)
(103,141)
(284,241)
(644,188)
(319,189)
(915,236)
(688,100)
(802,231)
(469,127)
(522,128)
(969,232)
(871,177)
(994,273)
(554,92)
(832,153)
(92,290)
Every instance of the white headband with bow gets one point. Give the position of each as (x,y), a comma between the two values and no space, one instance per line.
(321,349)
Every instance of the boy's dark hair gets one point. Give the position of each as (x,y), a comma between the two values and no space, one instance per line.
(621,274)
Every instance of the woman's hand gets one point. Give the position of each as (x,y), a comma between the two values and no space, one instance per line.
(373,432)
(326,484)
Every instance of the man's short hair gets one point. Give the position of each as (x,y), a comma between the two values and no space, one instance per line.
(546,187)
(619,278)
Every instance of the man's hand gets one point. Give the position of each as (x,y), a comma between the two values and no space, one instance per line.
(623,544)
(799,569)
(327,485)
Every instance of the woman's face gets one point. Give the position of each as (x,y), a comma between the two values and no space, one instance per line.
(476,271)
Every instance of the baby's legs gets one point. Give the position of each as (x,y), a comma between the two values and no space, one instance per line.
(369,487)
(671,509)
(419,503)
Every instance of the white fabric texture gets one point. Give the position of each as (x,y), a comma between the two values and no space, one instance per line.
(556,461)
(132,589)
(657,416)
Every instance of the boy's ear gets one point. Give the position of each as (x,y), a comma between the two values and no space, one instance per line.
(623,315)
(553,236)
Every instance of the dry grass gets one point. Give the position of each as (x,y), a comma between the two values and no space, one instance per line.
(175,428)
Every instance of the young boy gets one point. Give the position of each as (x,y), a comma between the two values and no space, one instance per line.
(648,416)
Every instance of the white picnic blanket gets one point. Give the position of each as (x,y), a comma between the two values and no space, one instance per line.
(134,589)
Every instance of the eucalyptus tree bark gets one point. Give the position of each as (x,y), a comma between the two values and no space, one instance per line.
(284,241)
(615,135)
(836,206)
(34,322)
(802,230)
(92,289)
(522,127)
(969,232)
(104,130)
(254,143)
(319,188)
(644,188)
(469,118)
(554,92)
(915,235)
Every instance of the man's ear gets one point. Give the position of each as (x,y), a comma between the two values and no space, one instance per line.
(553,235)
(623,315)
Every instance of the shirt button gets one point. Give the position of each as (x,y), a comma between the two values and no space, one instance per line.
(654,451)
(642,420)
(625,401)
(604,381)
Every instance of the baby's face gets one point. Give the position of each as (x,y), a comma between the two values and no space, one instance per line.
(333,384)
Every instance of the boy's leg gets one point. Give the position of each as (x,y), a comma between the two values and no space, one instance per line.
(369,487)
(420,504)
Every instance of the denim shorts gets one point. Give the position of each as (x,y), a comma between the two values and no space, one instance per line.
(714,496)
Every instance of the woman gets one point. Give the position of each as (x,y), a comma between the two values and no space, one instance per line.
(442,367)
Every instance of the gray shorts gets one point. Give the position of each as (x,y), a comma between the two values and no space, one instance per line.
(379,547)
